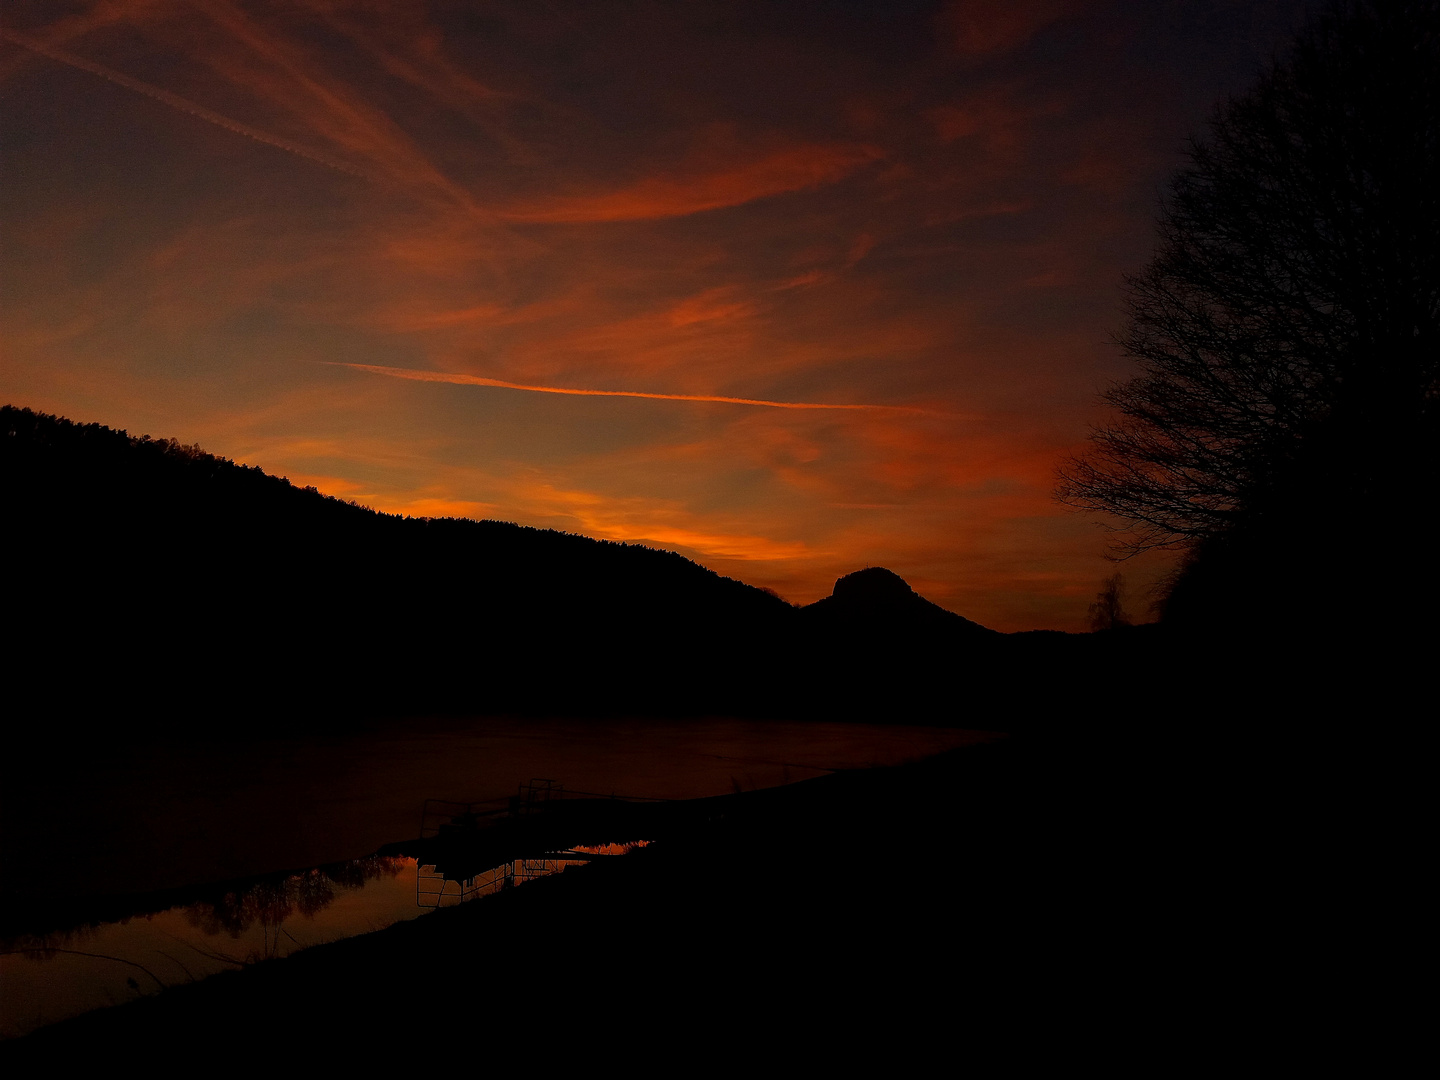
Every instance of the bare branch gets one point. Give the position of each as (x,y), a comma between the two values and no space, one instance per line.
(1286,332)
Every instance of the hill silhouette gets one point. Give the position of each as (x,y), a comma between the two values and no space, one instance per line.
(879,603)
(153,579)
(153,576)
(147,573)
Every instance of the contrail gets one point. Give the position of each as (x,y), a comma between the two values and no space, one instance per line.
(476,380)
(177,102)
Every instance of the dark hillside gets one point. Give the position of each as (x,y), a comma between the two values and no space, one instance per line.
(153,579)
(877,608)
(148,574)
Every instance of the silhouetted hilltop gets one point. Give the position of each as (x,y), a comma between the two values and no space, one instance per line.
(875,647)
(876,601)
(154,579)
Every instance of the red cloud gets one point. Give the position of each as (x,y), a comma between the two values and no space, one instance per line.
(798,168)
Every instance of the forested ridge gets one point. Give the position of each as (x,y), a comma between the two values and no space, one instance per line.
(145,569)
(149,574)
(152,576)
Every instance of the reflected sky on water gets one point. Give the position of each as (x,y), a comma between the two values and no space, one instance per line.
(174,816)
(45,978)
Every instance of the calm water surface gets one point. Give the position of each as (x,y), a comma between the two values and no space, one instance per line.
(49,977)
(183,814)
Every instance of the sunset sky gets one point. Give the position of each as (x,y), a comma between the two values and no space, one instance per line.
(790,288)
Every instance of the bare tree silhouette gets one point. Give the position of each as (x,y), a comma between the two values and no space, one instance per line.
(1108,610)
(1288,330)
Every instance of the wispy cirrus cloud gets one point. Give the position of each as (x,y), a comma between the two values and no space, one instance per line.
(289,79)
(184,105)
(784,216)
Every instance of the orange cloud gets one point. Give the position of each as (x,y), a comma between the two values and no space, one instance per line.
(720,545)
(434,320)
(204,321)
(709,306)
(339,486)
(641,520)
(799,168)
(441,507)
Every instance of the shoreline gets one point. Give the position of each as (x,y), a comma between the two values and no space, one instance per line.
(1051,898)
(824,879)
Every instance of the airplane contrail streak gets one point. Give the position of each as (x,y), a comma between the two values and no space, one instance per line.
(175,101)
(476,380)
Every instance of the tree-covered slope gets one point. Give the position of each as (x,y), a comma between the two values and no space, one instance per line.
(143,570)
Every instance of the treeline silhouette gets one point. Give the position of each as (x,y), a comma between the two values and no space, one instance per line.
(152,578)
(155,574)
(159,588)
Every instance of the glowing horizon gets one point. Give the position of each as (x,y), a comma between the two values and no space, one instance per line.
(863,265)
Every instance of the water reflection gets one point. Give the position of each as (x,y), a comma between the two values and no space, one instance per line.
(51,976)
(157,818)
(48,977)
(434,889)
(268,904)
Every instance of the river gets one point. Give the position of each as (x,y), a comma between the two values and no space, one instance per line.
(134,821)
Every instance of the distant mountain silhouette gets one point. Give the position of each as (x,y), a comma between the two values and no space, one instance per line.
(154,578)
(879,601)
(876,648)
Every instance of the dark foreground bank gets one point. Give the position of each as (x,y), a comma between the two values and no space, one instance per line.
(1138,902)
(883,910)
